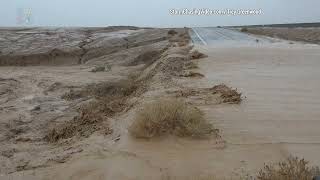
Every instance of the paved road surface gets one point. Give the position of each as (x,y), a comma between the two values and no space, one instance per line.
(222,36)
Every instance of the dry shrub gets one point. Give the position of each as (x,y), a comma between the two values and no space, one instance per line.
(183,43)
(172,32)
(193,74)
(227,94)
(103,90)
(291,169)
(221,93)
(98,69)
(180,38)
(197,55)
(170,116)
(74,94)
(190,65)
(244,29)
(200,177)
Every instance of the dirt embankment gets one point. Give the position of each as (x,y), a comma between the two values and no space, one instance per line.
(309,35)
(46,109)
(69,46)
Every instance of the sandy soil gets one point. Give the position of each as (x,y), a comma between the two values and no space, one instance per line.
(309,35)
(277,117)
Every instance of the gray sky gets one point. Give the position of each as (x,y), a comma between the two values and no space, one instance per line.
(152,12)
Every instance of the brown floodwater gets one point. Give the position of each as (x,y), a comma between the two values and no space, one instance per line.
(279,116)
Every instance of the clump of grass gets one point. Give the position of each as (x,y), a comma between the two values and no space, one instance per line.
(98,69)
(170,116)
(74,94)
(197,55)
(228,94)
(172,32)
(244,29)
(190,65)
(183,43)
(291,169)
(192,74)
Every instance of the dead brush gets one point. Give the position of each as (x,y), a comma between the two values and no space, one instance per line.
(192,74)
(74,94)
(190,65)
(172,32)
(98,69)
(244,29)
(197,55)
(228,94)
(182,43)
(292,168)
(170,116)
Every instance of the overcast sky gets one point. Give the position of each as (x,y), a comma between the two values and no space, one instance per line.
(151,12)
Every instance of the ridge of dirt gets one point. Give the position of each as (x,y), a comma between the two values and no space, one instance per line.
(33,112)
(309,35)
(111,99)
(70,46)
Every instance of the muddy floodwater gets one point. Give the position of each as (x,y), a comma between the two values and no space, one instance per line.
(281,111)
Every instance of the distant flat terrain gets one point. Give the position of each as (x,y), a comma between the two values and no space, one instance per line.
(309,35)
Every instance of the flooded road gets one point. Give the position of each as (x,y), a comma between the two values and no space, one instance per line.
(280,115)
(282,104)
(209,36)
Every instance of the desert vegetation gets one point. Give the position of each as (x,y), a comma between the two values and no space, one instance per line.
(222,92)
(172,32)
(98,69)
(192,74)
(244,29)
(180,37)
(170,116)
(293,168)
(197,55)
(228,94)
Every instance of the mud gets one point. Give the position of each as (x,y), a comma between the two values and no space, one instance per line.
(48,110)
